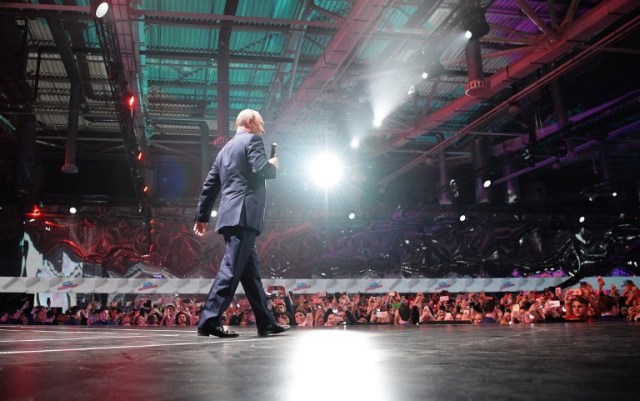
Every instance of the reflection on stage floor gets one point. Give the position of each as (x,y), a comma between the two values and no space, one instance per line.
(439,362)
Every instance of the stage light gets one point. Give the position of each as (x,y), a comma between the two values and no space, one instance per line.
(73,210)
(377,123)
(433,67)
(355,143)
(101,9)
(463,217)
(214,213)
(581,219)
(325,170)
(474,21)
(139,156)
(614,194)
(145,189)
(487,184)
(352,216)
(411,91)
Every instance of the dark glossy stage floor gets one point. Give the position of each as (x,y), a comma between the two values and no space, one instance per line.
(441,362)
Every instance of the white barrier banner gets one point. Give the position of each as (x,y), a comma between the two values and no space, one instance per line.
(34,285)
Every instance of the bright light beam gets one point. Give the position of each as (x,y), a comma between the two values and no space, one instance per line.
(325,170)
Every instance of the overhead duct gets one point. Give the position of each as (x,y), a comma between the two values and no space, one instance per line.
(480,166)
(70,146)
(477,86)
(445,196)
(561,112)
(70,66)
(230,8)
(513,189)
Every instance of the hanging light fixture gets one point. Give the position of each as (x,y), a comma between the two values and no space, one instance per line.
(99,8)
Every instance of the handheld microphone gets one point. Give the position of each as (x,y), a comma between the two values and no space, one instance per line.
(274,146)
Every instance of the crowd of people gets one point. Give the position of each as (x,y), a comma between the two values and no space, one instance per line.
(583,304)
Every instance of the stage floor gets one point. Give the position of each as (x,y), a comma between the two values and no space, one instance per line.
(562,361)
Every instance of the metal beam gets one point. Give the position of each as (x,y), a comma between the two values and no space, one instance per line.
(233,58)
(357,24)
(535,18)
(199,18)
(601,16)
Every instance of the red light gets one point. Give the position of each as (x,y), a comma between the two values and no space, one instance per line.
(35,213)
(131,101)
(145,189)
(139,156)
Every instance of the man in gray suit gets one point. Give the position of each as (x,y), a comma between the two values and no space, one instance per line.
(239,172)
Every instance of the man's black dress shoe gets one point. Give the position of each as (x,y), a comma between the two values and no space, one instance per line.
(273,329)
(218,331)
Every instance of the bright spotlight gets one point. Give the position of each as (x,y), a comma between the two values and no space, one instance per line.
(325,170)
(355,143)
(487,184)
(581,219)
(614,194)
(468,34)
(411,91)
(377,123)
(425,75)
(214,213)
(352,216)
(72,210)
(102,9)
(463,217)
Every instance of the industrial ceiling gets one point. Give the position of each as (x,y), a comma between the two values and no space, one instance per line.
(543,100)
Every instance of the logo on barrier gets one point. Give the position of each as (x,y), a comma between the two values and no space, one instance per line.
(147,286)
(67,285)
(442,285)
(373,286)
(301,286)
(506,284)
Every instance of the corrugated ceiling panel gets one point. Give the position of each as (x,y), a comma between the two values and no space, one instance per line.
(288,9)
(184,6)
(339,7)
(313,46)
(243,42)
(180,38)
(39,32)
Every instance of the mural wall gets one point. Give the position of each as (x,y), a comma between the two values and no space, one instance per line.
(402,245)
